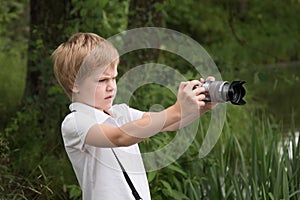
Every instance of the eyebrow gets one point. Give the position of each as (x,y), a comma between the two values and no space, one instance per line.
(108,75)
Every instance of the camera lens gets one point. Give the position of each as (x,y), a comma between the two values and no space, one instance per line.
(237,92)
(223,91)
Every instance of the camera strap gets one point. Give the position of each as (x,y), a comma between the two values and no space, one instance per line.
(129,182)
(133,190)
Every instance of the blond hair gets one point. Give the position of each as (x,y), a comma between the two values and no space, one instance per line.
(76,58)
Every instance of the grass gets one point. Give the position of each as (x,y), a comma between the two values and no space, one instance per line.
(251,162)
(259,170)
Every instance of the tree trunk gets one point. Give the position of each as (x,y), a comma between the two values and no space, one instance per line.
(46,31)
(143,13)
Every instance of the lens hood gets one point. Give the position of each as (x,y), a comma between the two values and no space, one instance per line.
(237,92)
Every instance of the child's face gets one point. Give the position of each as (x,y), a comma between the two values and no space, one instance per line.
(99,89)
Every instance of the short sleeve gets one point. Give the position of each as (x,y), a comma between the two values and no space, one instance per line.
(130,114)
(75,128)
(135,114)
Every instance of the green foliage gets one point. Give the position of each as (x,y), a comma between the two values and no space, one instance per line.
(10,13)
(38,167)
(12,76)
(12,57)
(103,17)
(258,162)
(239,33)
(253,159)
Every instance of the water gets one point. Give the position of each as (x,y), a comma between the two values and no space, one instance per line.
(277,90)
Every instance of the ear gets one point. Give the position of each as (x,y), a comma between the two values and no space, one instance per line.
(74,89)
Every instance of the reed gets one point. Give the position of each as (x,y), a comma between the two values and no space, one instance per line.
(257,161)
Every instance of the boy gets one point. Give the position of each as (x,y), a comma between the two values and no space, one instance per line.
(97,134)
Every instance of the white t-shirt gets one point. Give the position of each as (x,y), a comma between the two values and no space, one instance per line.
(97,170)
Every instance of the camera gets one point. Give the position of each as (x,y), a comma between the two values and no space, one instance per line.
(223,91)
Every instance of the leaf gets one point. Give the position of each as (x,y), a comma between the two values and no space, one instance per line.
(103,3)
(151,176)
(166,185)
(285,184)
(83,12)
(178,195)
(177,169)
(75,191)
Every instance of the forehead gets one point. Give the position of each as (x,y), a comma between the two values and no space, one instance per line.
(100,57)
(110,70)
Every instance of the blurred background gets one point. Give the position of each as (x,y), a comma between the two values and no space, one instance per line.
(257,156)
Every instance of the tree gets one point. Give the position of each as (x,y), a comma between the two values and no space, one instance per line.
(145,13)
(47,20)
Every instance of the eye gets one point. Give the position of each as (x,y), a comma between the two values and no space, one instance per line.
(101,80)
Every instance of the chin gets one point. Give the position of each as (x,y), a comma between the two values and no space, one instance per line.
(107,107)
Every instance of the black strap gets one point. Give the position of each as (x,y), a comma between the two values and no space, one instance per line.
(133,190)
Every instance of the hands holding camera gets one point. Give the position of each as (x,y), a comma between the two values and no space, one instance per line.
(199,96)
(191,98)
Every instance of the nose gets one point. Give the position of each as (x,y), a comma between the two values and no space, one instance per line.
(111,85)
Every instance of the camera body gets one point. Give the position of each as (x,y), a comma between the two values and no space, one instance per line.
(223,91)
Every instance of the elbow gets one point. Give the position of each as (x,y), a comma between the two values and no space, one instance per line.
(107,136)
(125,140)
(120,142)
(174,127)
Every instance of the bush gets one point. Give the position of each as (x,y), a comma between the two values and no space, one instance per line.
(250,163)
(38,166)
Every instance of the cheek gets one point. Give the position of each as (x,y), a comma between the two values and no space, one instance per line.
(99,88)
(89,91)
(99,91)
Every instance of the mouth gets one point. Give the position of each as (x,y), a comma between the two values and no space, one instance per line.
(109,97)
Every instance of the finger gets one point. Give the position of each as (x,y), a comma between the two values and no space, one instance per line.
(210,78)
(201,104)
(183,85)
(194,83)
(211,105)
(199,90)
(201,97)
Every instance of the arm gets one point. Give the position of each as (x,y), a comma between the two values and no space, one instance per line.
(102,135)
(185,110)
(208,106)
(183,123)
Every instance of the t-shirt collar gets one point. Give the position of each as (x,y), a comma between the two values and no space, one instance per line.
(89,110)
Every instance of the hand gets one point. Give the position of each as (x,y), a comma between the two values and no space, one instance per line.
(190,100)
(209,78)
(209,105)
